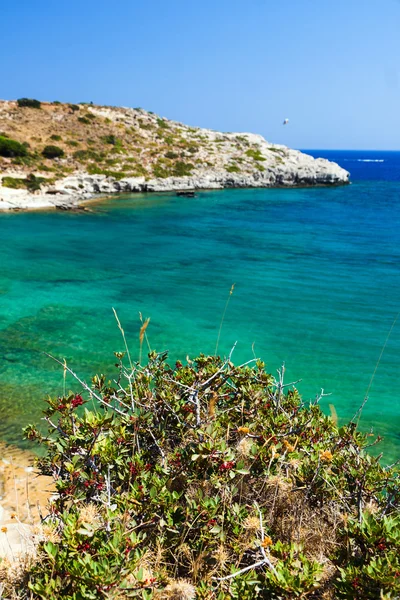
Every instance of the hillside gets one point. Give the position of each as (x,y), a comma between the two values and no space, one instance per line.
(80,150)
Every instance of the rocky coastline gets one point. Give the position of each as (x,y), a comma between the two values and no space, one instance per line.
(124,150)
(76,189)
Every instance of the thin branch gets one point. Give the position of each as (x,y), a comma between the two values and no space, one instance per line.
(161,451)
(223,318)
(84,384)
(260,563)
(358,413)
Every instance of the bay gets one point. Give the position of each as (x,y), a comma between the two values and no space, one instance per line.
(316,274)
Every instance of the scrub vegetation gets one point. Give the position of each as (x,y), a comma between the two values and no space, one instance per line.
(211,481)
(140,143)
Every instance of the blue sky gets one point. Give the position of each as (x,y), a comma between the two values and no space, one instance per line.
(332,68)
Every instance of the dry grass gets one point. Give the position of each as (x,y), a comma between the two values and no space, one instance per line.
(116,140)
(292,517)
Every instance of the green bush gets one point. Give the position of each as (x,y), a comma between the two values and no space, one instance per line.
(214,480)
(95,170)
(181,168)
(84,155)
(162,124)
(110,139)
(28,103)
(233,169)
(52,152)
(162,171)
(74,107)
(34,183)
(255,154)
(31,183)
(56,138)
(14,183)
(144,125)
(171,154)
(84,120)
(26,161)
(169,140)
(43,167)
(11,148)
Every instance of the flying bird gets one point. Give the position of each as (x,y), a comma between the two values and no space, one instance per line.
(286,121)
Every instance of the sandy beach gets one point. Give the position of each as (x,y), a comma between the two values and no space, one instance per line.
(23,499)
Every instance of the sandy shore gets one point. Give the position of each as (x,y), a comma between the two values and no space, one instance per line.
(23,498)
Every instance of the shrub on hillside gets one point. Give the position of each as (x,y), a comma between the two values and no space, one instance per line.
(34,183)
(110,139)
(52,152)
(14,183)
(28,103)
(84,155)
(255,154)
(161,171)
(181,168)
(31,182)
(162,124)
(11,148)
(171,155)
(211,481)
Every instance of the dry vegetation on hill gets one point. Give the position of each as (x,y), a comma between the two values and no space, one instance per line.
(120,142)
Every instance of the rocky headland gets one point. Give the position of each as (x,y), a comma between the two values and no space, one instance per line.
(60,155)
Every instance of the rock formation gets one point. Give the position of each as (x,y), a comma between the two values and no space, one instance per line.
(130,150)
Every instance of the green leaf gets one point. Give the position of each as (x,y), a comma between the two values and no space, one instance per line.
(216,529)
(87,530)
(51,549)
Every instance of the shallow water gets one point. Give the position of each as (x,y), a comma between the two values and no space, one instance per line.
(317,287)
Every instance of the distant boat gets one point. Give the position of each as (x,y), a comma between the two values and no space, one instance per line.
(186,193)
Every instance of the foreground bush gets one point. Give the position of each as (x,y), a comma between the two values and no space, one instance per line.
(210,481)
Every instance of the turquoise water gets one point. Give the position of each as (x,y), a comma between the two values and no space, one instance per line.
(317,287)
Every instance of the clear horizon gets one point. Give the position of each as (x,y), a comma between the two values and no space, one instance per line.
(333,71)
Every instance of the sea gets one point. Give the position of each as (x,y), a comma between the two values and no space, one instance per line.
(316,275)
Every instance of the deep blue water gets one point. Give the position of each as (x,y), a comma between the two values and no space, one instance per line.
(317,287)
(364,165)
